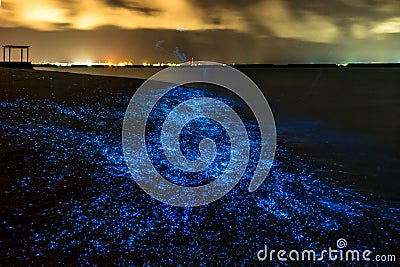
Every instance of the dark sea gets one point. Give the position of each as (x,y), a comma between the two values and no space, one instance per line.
(68,198)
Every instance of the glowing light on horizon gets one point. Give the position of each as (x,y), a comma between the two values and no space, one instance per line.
(119,64)
(124,64)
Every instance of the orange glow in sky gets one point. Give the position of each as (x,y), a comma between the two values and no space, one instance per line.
(229,30)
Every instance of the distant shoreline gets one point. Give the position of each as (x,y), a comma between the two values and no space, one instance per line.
(339,65)
(29,65)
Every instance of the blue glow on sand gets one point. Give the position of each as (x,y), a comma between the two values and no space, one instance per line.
(68,198)
(191,135)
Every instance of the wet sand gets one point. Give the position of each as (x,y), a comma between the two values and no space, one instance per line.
(67,196)
(344,118)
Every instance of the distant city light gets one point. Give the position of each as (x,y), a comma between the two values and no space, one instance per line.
(127,63)
(108,64)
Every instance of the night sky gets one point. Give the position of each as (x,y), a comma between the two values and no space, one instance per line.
(251,31)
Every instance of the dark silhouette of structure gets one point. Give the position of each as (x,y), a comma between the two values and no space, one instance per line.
(10,47)
(16,64)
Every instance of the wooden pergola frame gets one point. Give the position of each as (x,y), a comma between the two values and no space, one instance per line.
(10,47)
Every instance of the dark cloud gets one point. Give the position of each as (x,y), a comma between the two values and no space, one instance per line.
(216,20)
(60,25)
(225,4)
(215,9)
(215,45)
(347,9)
(135,6)
(271,31)
(377,9)
(349,16)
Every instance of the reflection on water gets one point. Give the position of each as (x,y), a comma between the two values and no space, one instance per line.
(68,196)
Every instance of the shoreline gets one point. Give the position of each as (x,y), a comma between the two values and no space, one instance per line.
(322,136)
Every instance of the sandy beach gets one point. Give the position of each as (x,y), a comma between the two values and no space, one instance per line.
(68,197)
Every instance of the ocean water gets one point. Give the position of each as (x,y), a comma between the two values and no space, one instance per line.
(68,197)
